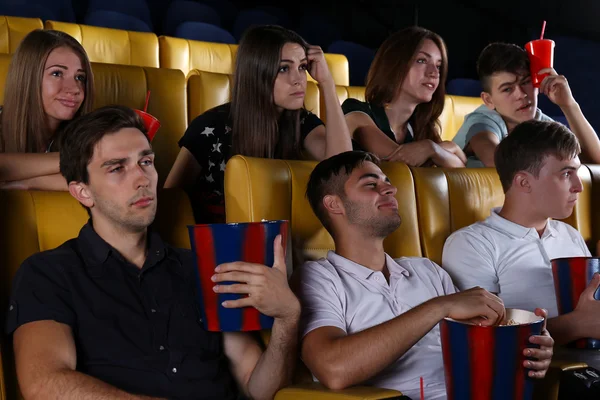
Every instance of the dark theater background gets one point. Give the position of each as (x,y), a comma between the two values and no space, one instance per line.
(467,26)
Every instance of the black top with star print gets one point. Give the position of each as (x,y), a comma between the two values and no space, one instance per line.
(208,138)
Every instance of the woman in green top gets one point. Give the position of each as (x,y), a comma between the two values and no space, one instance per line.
(405,97)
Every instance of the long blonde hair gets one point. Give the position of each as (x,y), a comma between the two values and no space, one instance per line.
(24,128)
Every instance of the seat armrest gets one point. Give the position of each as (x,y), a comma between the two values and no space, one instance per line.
(562,365)
(547,388)
(316,391)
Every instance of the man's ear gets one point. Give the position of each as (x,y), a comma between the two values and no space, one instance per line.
(333,204)
(522,182)
(487,100)
(82,193)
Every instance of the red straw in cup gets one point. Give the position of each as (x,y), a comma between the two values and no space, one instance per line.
(422,391)
(541,36)
(152,124)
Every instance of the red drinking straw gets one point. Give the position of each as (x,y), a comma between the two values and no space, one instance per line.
(148,94)
(422,392)
(543,29)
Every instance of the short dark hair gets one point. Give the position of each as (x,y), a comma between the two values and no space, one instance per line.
(329,177)
(528,145)
(501,57)
(78,140)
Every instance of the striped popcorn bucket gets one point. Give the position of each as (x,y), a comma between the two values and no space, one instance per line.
(215,244)
(486,362)
(571,277)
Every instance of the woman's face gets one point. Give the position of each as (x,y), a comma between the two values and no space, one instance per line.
(63,86)
(423,76)
(290,84)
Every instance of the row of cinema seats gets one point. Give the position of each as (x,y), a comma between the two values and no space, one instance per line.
(115,46)
(433,203)
(197,78)
(186,78)
(143,49)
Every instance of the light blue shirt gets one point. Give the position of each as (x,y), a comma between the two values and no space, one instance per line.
(484,119)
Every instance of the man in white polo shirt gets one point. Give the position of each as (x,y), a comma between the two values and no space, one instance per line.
(367,318)
(509,253)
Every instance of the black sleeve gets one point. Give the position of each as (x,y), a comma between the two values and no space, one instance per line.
(39,292)
(349,105)
(308,122)
(199,136)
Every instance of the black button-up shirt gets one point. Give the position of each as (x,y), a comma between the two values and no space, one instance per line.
(139,330)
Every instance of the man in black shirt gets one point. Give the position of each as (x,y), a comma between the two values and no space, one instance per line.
(112,314)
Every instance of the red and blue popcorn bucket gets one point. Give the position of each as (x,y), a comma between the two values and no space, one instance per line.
(571,277)
(486,362)
(215,244)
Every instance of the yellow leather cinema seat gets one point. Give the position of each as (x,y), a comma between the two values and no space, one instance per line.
(128,85)
(4,64)
(14,29)
(450,199)
(113,46)
(350,92)
(34,221)
(339,68)
(312,98)
(206,90)
(316,391)
(257,189)
(343,93)
(24,232)
(189,55)
(453,116)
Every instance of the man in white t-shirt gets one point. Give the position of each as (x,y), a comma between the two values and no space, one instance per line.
(367,318)
(509,253)
(509,98)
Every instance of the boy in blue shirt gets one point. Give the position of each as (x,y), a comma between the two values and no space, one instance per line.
(509,98)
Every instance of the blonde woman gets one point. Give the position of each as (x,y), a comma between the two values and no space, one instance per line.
(49,83)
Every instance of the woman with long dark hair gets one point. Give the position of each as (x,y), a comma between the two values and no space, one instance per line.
(265,118)
(404,99)
(49,83)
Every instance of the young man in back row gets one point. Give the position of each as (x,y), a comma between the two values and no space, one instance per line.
(509,98)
